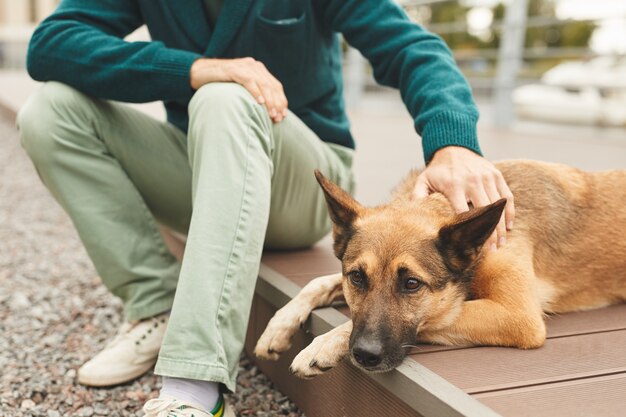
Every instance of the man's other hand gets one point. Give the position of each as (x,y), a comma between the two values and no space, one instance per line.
(249,73)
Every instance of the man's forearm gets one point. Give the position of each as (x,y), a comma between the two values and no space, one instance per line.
(417,62)
(80,46)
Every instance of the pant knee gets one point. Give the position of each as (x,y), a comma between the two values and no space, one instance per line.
(227,105)
(220,96)
(41,116)
(226,101)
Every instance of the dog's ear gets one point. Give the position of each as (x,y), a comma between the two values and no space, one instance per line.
(460,242)
(343,211)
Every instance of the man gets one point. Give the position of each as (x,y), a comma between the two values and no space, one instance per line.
(233,166)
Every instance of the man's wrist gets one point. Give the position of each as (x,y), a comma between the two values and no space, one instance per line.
(452,150)
(206,70)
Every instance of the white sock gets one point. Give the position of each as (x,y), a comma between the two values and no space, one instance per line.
(204,393)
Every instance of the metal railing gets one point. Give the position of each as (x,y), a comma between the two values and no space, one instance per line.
(510,54)
(508,57)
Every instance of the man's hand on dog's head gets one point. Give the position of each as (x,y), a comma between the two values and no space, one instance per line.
(465,177)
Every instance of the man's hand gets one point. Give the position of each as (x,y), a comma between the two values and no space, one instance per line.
(248,72)
(464,176)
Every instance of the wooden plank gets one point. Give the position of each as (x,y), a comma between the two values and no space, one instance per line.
(601,320)
(422,390)
(601,396)
(490,368)
(313,262)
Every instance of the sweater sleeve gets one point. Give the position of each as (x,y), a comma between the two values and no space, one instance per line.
(406,56)
(81,44)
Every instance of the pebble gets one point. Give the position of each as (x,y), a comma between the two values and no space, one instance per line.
(101,409)
(55,314)
(27,404)
(86,412)
(37,397)
(19,301)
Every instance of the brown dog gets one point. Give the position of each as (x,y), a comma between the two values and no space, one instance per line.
(413,270)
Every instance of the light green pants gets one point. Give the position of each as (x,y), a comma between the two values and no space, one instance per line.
(234,183)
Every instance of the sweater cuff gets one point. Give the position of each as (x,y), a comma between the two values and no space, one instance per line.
(175,65)
(449,129)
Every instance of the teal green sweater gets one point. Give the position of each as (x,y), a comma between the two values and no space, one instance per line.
(81,44)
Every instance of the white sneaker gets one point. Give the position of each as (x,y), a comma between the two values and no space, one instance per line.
(131,354)
(171,407)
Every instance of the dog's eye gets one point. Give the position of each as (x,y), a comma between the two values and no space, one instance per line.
(356,277)
(412,284)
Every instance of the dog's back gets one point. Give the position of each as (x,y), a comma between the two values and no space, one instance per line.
(576,222)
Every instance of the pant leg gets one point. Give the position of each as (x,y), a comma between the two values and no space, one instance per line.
(112,169)
(247,172)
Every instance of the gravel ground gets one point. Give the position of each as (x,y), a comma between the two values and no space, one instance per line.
(55,314)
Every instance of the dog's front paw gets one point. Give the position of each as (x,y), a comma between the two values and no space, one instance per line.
(324,353)
(276,338)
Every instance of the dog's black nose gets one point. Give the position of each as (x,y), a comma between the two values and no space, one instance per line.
(368,354)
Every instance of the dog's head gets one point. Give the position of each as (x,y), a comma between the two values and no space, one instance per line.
(407,267)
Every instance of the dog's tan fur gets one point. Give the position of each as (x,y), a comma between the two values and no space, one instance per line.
(566,252)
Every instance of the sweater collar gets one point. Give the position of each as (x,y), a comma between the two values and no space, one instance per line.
(193,21)
(228,22)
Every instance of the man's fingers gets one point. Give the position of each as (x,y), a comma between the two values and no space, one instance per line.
(254,89)
(282,99)
(494,195)
(263,86)
(274,106)
(270,102)
(458,199)
(479,198)
(261,78)
(462,175)
(509,209)
(270,86)
(421,189)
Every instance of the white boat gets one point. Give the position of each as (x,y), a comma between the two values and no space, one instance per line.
(592,92)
